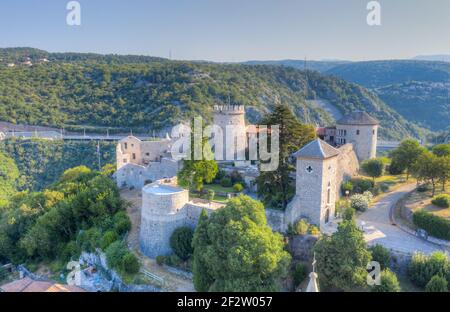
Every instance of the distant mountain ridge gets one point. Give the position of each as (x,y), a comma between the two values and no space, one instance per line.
(145,93)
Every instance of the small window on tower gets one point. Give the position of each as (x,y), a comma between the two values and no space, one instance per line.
(125,145)
(357,132)
(309,169)
(134,156)
(373,131)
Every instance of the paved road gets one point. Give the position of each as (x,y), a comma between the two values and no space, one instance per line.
(379,230)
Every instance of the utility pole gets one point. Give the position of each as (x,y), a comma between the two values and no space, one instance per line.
(98,155)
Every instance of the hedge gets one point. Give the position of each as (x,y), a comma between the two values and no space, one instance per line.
(435,226)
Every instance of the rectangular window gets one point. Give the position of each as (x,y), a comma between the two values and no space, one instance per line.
(147,154)
(134,156)
(328,196)
(124,160)
(373,131)
(357,132)
(125,145)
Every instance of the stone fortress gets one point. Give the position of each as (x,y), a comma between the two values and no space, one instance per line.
(321,167)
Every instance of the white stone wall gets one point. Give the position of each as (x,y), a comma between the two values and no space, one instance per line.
(348,166)
(364,143)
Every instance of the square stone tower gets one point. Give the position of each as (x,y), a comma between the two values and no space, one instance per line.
(316,180)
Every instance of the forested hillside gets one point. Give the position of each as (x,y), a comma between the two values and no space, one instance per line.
(129,92)
(418,90)
(41,162)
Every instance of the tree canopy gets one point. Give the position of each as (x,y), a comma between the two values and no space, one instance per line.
(235,250)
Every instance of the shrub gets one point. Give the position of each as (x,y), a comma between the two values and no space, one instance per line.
(384,187)
(388,283)
(422,268)
(160,260)
(130,263)
(359,202)
(236,177)
(368,195)
(122,222)
(108,238)
(423,188)
(238,187)
(362,185)
(348,214)
(226,182)
(300,273)
(381,255)
(314,230)
(115,253)
(302,227)
(174,260)
(347,186)
(442,200)
(181,242)
(437,284)
(436,226)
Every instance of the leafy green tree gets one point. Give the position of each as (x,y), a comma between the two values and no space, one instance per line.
(437,284)
(389,282)
(442,150)
(196,172)
(202,278)
(8,178)
(406,154)
(373,168)
(235,250)
(130,263)
(342,258)
(181,242)
(276,188)
(429,168)
(422,267)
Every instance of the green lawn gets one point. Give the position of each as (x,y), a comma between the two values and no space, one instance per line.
(218,188)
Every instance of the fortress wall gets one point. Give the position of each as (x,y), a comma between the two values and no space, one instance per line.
(130,175)
(153,150)
(348,166)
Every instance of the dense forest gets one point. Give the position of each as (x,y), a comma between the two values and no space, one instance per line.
(150,93)
(42,162)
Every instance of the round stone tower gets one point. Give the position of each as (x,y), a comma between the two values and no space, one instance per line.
(231,119)
(360,129)
(162,212)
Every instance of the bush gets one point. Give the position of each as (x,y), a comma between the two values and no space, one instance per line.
(314,230)
(348,214)
(362,185)
(381,255)
(423,188)
(442,200)
(436,226)
(347,186)
(389,282)
(226,182)
(122,222)
(300,273)
(368,195)
(160,260)
(174,260)
(236,177)
(437,284)
(130,263)
(302,227)
(108,238)
(238,187)
(181,242)
(115,253)
(384,187)
(422,268)
(359,202)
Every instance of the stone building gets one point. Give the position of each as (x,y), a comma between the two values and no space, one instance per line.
(142,162)
(166,207)
(358,128)
(231,119)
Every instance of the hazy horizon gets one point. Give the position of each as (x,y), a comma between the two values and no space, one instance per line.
(232,30)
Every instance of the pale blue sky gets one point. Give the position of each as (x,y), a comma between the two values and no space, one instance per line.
(231,30)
